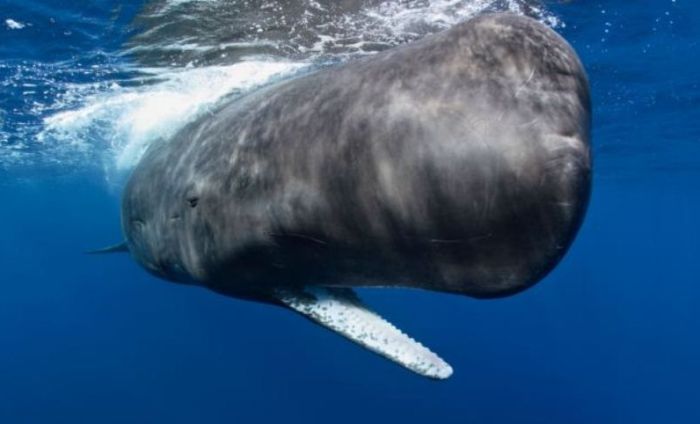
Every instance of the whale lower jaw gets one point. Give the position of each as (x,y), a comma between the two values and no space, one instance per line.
(340,310)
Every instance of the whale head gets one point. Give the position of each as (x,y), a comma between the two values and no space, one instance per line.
(150,229)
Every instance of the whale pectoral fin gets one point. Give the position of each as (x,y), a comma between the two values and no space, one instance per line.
(117,248)
(342,311)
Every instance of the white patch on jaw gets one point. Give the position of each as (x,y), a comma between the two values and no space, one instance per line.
(341,311)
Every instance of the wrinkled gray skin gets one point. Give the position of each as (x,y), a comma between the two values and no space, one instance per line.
(459,163)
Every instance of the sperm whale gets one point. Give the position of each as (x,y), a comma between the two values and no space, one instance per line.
(459,163)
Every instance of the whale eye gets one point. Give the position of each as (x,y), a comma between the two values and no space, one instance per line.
(192,201)
(137,224)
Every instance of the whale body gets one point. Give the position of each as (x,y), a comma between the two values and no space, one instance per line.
(459,163)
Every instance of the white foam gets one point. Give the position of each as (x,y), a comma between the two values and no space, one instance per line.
(12,24)
(172,4)
(128,119)
(394,22)
(400,16)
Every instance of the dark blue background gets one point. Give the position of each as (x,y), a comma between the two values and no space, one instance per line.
(611,336)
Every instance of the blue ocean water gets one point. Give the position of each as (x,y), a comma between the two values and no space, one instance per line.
(610,336)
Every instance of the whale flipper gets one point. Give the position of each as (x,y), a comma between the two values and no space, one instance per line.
(117,248)
(341,310)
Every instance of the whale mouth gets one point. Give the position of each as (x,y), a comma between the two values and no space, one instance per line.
(341,311)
